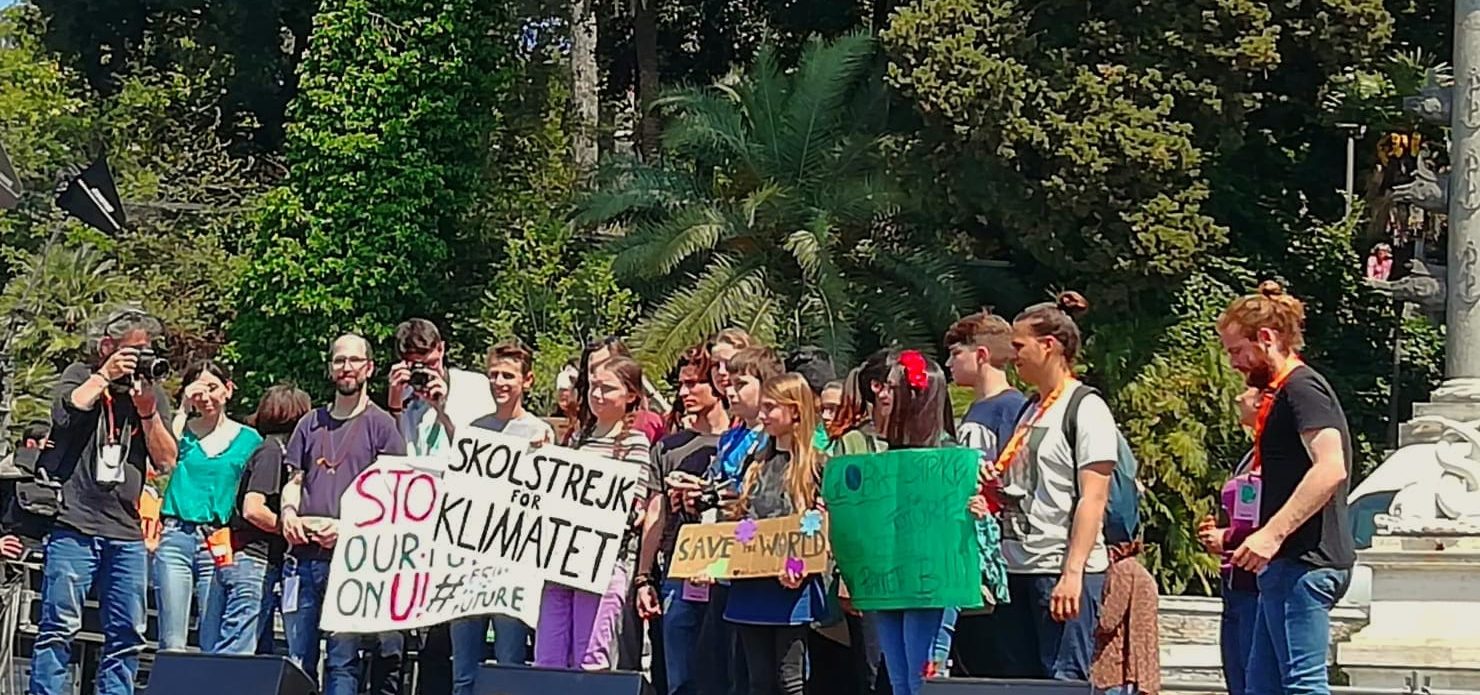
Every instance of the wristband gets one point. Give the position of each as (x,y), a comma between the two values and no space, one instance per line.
(286,509)
(150,416)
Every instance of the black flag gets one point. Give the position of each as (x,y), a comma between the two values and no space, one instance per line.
(10,184)
(92,198)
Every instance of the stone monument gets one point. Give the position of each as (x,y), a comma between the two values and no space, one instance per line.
(1424,552)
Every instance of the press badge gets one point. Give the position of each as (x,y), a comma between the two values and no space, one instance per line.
(698,593)
(290,594)
(1249,490)
(110,464)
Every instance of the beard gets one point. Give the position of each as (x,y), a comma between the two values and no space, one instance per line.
(1260,374)
(349,387)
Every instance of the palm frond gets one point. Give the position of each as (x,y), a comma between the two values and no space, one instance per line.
(664,244)
(763,99)
(632,187)
(706,123)
(829,72)
(696,311)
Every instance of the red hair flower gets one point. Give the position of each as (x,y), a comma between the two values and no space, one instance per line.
(914,369)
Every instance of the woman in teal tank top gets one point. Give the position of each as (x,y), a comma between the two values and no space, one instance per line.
(200,497)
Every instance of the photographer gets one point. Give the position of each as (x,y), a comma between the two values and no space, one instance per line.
(431,401)
(107,421)
(428,398)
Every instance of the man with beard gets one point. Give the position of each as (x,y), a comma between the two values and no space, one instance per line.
(328,449)
(1295,495)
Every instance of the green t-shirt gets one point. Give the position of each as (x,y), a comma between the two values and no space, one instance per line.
(203,488)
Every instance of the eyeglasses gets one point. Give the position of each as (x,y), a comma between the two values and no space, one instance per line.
(349,361)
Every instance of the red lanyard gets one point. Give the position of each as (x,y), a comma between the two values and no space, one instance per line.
(1266,404)
(1020,435)
(112,427)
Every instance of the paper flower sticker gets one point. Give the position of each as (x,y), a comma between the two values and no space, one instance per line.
(811,522)
(795,566)
(745,531)
(718,569)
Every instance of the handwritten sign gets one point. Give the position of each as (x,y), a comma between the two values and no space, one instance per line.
(555,512)
(478,528)
(900,530)
(389,574)
(764,548)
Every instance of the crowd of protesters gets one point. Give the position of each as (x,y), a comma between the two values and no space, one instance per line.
(242,534)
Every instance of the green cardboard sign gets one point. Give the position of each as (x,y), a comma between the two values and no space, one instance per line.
(899,528)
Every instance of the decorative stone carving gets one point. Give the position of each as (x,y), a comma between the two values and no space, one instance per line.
(1433,103)
(1443,493)
(1425,285)
(1428,189)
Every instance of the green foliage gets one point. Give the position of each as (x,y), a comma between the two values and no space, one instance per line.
(386,148)
(769,211)
(541,281)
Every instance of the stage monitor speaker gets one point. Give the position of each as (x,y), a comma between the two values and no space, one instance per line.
(996,686)
(226,674)
(494,679)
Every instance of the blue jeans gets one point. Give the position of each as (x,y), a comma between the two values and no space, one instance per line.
(1292,633)
(342,665)
(182,570)
(1236,635)
(470,647)
(232,620)
(1041,647)
(266,636)
(684,634)
(73,562)
(909,640)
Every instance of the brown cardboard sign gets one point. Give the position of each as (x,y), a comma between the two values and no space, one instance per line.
(751,548)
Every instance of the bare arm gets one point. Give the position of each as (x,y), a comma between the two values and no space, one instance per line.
(292,494)
(163,450)
(652,532)
(87,395)
(254,509)
(1089,515)
(1327,471)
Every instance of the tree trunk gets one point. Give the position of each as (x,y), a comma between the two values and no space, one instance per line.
(584,84)
(645,37)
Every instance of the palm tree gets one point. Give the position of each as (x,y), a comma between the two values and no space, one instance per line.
(770,209)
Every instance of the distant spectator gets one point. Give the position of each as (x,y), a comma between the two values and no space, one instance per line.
(815,365)
(1380,263)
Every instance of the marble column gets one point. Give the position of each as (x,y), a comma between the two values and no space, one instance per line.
(1462,319)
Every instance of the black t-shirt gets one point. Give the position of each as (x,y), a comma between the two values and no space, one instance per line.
(265,473)
(1306,403)
(687,451)
(106,510)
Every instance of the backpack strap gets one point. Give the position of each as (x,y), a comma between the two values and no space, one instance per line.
(1071,427)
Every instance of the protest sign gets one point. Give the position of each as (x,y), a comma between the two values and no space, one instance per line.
(751,548)
(545,511)
(389,574)
(476,529)
(900,530)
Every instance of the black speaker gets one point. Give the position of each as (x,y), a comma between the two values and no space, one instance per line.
(495,679)
(185,673)
(998,686)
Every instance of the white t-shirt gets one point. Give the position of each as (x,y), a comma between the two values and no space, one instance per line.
(528,426)
(468,398)
(1039,485)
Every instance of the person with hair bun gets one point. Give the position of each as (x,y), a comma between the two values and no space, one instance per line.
(1295,494)
(1051,480)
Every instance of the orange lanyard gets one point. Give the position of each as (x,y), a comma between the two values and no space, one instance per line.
(1266,404)
(112,426)
(1020,435)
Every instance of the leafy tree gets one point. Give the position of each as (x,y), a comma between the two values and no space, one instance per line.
(396,99)
(770,210)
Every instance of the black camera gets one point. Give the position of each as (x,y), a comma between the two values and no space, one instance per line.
(152,366)
(421,376)
(711,495)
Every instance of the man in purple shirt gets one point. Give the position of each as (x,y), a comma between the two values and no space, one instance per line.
(328,449)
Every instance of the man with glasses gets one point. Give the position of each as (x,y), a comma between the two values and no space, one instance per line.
(107,424)
(328,449)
